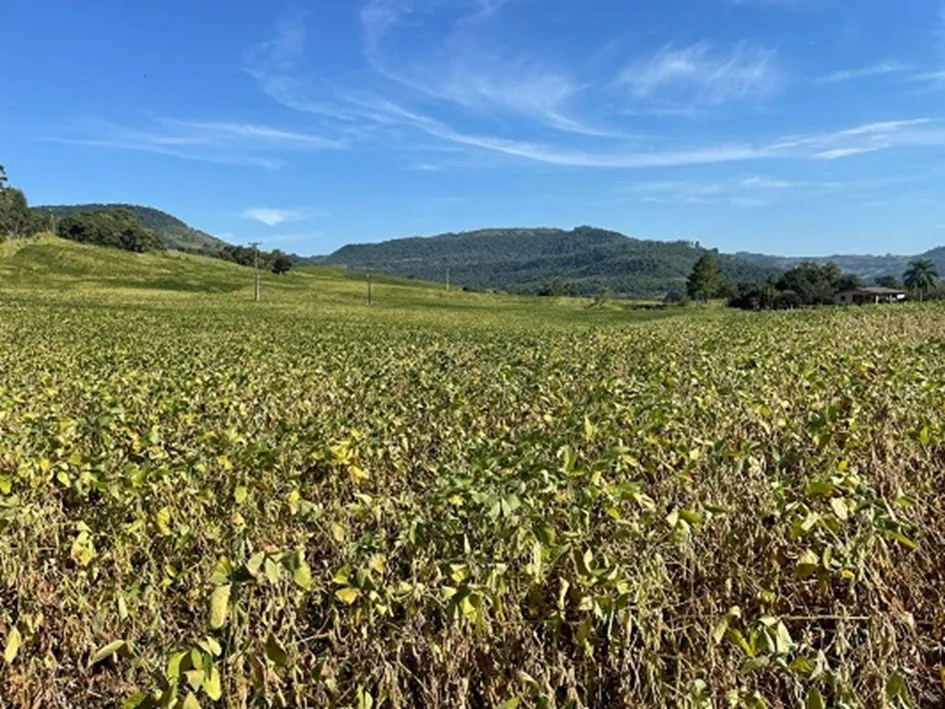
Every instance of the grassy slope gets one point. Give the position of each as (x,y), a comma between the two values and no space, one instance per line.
(57,268)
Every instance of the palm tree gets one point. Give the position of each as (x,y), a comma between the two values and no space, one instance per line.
(921,275)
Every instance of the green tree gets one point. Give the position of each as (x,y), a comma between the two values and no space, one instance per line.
(281,263)
(888,282)
(921,276)
(705,279)
(14,212)
(117,228)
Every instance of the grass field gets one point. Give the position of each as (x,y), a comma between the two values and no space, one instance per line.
(457,499)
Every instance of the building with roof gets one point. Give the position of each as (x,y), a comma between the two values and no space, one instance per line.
(870,295)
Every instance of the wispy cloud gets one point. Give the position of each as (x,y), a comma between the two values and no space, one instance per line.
(702,75)
(880,69)
(272,216)
(742,192)
(207,141)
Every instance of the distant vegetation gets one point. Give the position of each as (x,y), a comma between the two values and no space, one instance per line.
(174,233)
(583,261)
(117,228)
(806,284)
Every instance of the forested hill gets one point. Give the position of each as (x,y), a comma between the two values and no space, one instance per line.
(583,260)
(174,233)
(866,266)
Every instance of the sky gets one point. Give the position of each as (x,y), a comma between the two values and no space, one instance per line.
(795,127)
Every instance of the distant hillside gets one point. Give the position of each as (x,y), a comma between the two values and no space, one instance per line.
(866,266)
(174,233)
(581,260)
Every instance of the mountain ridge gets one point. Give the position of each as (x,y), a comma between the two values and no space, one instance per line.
(582,260)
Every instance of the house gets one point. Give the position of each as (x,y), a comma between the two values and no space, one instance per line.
(870,294)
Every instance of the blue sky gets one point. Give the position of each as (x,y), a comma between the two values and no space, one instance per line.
(781,126)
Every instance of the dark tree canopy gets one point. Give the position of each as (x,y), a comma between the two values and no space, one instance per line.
(281,263)
(888,282)
(14,210)
(117,228)
(921,276)
(806,284)
(705,279)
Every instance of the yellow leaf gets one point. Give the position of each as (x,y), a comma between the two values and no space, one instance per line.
(162,521)
(219,604)
(378,563)
(348,595)
(14,641)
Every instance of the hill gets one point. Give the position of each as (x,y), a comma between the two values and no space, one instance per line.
(174,233)
(867,266)
(581,260)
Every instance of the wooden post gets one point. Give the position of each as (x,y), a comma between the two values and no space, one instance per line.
(255,245)
(447,279)
(369,296)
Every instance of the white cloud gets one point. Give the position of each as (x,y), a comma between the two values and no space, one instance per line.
(699,74)
(272,216)
(493,90)
(225,142)
(880,69)
(837,153)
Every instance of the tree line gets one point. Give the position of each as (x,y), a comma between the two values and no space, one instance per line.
(804,285)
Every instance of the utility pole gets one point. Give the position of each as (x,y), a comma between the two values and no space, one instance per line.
(368,288)
(255,245)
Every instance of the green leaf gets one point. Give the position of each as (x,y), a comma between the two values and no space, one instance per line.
(902,539)
(302,575)
(219,604)
(212,683)
(115,646)
(736,638)
(807,564)
(510,703)
(240,494)
(255,563)
(840,508)
(272,571)
(210,646)
(221,572)
(195,678)
(190,702)
(138,700)
(14,641)
(174,664)
(342,575)
(718,633)
(275,652)
(348,595)
(815,699)
(546,534)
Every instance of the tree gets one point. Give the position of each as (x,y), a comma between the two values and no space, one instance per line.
(705,278)
(849,281)
(14,212)
(117,228)
(921,276)
(281,263)
(888,282)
